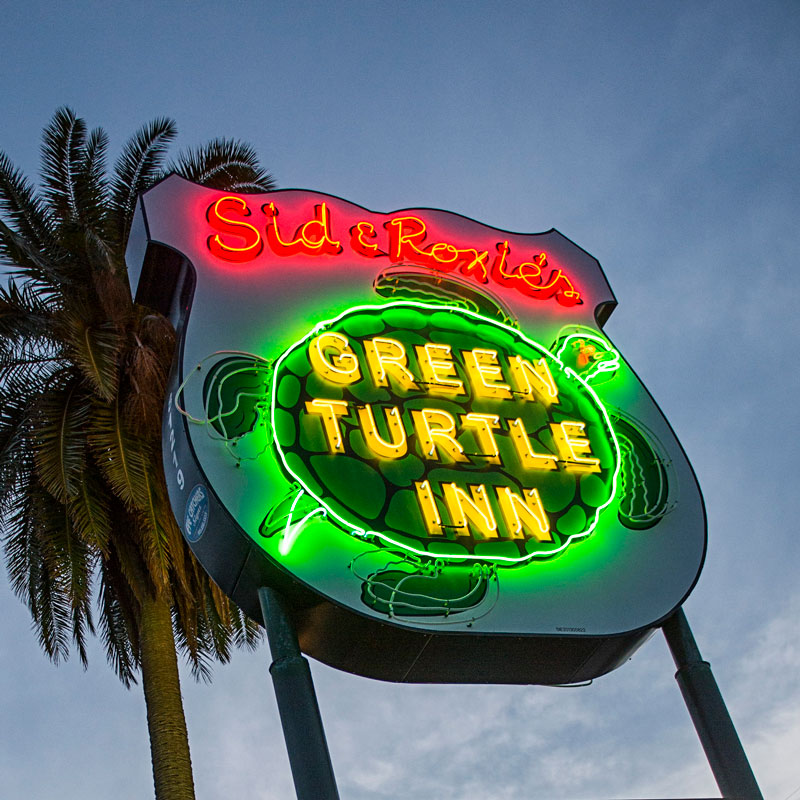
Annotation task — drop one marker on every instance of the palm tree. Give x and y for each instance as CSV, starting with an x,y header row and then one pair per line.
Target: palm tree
x,y
83,506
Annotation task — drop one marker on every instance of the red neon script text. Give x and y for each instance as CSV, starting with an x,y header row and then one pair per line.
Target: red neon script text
x,y
404,240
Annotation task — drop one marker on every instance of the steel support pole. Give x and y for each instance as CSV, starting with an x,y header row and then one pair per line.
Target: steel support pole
x,y
309,758
710,716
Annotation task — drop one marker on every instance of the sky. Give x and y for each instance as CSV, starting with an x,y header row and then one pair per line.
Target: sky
x,y
662,138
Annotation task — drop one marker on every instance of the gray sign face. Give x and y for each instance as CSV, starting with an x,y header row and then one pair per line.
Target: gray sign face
x,y
414,426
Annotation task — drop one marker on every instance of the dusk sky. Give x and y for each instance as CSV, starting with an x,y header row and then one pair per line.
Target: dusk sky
x,y
660,137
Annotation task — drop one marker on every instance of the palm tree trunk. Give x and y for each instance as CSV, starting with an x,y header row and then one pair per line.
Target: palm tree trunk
x,y
166,723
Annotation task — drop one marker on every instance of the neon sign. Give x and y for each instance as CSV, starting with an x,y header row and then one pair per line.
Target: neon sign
x,y
239,233
415,437
414,425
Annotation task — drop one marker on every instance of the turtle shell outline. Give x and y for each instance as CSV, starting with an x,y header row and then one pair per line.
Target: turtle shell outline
x,y
358,529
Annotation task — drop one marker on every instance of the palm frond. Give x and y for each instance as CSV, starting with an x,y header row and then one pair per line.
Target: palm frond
x,y
93,192
94,348
125,551
16,458
241,630
50,610
218,624
224,164
33,574
72,561
157,553
121,456
219,602
64,165
91,342
28,370
69,560
244,631
113,295
90,511
247,632
29,263
191,639
21,205
146,373
164,545
137,168
59,440
91,184
118,629
28,352
23,311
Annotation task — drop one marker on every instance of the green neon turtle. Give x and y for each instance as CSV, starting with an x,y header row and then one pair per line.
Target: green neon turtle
x,y
378,497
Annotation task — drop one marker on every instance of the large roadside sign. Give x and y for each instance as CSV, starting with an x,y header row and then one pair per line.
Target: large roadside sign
x,y
413,425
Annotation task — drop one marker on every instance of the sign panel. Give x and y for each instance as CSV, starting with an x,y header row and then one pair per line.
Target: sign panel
x,y
413,425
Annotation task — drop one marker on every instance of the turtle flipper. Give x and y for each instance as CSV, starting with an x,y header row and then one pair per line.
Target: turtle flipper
x,y
644,483
403,590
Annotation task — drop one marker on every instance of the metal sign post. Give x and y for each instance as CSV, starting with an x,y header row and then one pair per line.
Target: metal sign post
x,y
310,761
710,716
309,758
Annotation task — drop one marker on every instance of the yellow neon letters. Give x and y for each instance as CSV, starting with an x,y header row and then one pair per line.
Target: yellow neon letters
x,y
482,426
387,365
485,374
472,514
573,447
387,358
438,370
470,510
414,377
528,457
533,381
329,412
435,429
524,517
397,447
427,505
341,367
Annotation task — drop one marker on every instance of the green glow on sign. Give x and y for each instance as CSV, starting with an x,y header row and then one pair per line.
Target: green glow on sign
x,y
294,529
588,354
444,434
